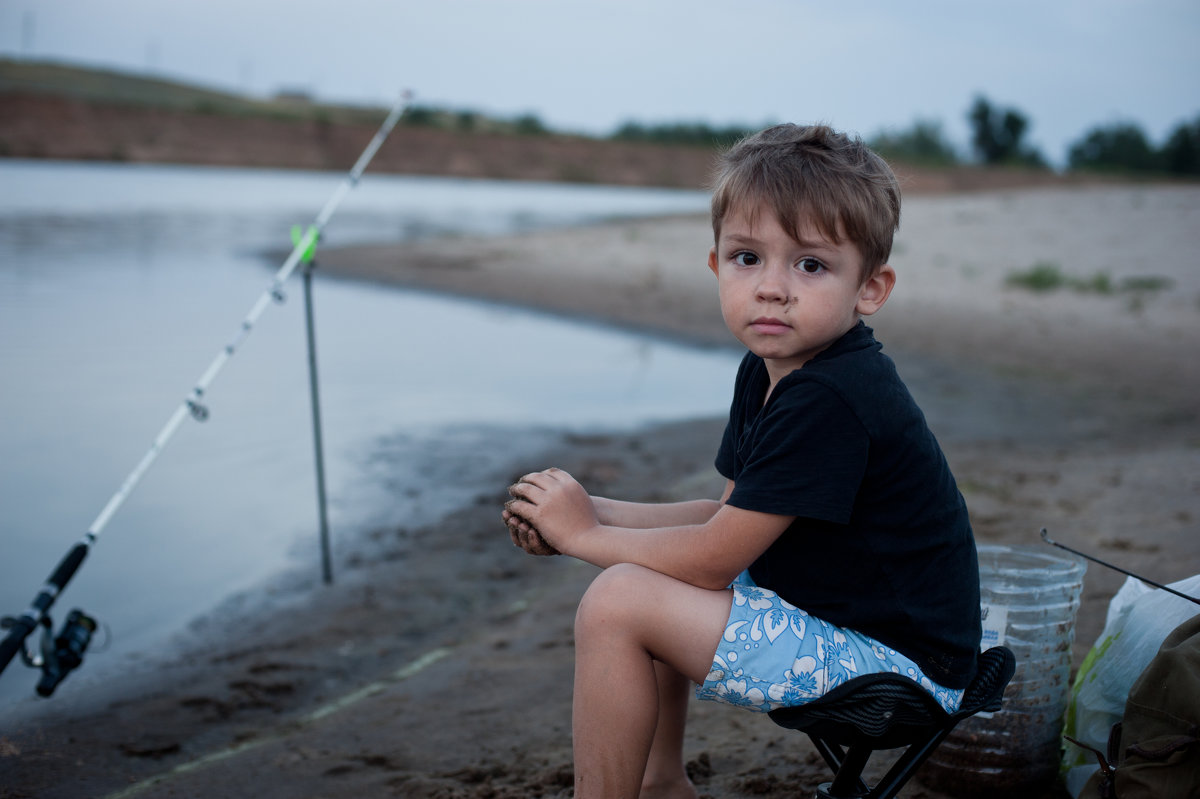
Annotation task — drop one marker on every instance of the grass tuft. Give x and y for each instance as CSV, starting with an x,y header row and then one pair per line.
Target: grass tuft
x,y
1046,276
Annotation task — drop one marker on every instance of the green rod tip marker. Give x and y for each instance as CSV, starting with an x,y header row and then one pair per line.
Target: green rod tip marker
x,y
311,250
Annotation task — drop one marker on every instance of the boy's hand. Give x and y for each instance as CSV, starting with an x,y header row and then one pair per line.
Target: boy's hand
x,y
553,505
524,534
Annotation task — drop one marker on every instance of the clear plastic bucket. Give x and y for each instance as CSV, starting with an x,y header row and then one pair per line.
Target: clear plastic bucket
x,y
1029,599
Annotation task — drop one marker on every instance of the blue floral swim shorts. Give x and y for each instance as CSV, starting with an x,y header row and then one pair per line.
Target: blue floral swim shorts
x,y
775,655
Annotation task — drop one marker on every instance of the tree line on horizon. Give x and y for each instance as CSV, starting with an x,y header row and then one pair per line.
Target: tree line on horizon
x,y
998,138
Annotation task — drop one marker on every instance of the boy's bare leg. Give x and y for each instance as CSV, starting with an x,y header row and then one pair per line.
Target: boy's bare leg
x,y
666,775
629,618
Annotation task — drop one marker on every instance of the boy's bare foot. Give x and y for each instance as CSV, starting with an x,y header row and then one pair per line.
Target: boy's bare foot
x,y
675,789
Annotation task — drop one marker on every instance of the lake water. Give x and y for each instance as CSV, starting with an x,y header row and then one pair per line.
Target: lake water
x,y
119,284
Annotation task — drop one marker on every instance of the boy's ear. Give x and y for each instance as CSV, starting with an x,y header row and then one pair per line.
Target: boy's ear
x,y
712,260
875,290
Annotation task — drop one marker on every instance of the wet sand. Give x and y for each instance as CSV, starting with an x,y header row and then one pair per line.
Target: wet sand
x,y
439,664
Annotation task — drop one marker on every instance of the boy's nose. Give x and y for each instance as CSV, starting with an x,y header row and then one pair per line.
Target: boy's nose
x,y
770,286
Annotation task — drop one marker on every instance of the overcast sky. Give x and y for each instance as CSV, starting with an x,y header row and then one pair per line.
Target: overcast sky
x,y
590,65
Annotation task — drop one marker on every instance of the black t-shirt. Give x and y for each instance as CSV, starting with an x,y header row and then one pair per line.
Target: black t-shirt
x,y
882,543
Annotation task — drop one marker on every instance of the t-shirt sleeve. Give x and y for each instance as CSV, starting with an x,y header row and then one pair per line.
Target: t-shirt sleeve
x,y
805,457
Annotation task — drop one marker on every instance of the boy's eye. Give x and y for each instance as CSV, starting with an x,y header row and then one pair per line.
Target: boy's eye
x,y
745,259
809,265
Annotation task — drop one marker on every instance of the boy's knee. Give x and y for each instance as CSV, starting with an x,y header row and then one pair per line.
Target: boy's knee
x,y
614,594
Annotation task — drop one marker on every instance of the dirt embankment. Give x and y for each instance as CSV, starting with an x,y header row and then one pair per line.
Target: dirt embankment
x,y
34,126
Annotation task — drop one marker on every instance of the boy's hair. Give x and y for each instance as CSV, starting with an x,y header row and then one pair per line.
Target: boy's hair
x,y
816,173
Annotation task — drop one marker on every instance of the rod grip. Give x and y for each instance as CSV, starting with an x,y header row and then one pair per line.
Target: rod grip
x,y
68,566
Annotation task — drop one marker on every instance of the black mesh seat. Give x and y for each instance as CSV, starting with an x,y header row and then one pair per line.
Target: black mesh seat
x,y
888,711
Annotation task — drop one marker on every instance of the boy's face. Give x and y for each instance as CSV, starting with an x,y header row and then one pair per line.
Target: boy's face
x,y
787,300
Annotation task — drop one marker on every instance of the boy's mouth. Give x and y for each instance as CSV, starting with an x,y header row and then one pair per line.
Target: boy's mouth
x,y
770,325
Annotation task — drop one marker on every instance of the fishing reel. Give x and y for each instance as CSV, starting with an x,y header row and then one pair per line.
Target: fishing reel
x,y
59,654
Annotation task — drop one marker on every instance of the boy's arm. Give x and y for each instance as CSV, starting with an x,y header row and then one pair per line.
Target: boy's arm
x,y
643,515
709,554
620,513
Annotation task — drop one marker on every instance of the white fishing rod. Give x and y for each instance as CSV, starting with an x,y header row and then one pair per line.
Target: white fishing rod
x,y
65,652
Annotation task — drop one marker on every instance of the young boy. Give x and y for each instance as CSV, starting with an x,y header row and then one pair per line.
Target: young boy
x,y
841,545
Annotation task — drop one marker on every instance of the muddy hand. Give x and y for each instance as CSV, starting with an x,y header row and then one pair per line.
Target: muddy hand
x,y
524,534
555,505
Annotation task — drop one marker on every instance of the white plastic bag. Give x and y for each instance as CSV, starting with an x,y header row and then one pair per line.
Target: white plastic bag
x,y
1139,618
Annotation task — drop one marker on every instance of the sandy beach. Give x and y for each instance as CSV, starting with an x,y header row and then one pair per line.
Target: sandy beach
x,y
439,664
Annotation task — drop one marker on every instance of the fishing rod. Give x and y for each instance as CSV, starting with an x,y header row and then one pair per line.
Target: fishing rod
x,y
1046,537
61,654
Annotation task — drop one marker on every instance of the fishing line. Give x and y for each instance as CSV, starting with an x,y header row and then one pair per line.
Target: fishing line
x,y
1046,537
62,653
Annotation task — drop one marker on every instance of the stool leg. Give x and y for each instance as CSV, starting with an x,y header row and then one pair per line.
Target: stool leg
x,y
907,765
846,783
835,757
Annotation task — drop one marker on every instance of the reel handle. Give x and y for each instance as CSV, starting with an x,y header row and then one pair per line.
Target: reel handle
x,y
22,626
